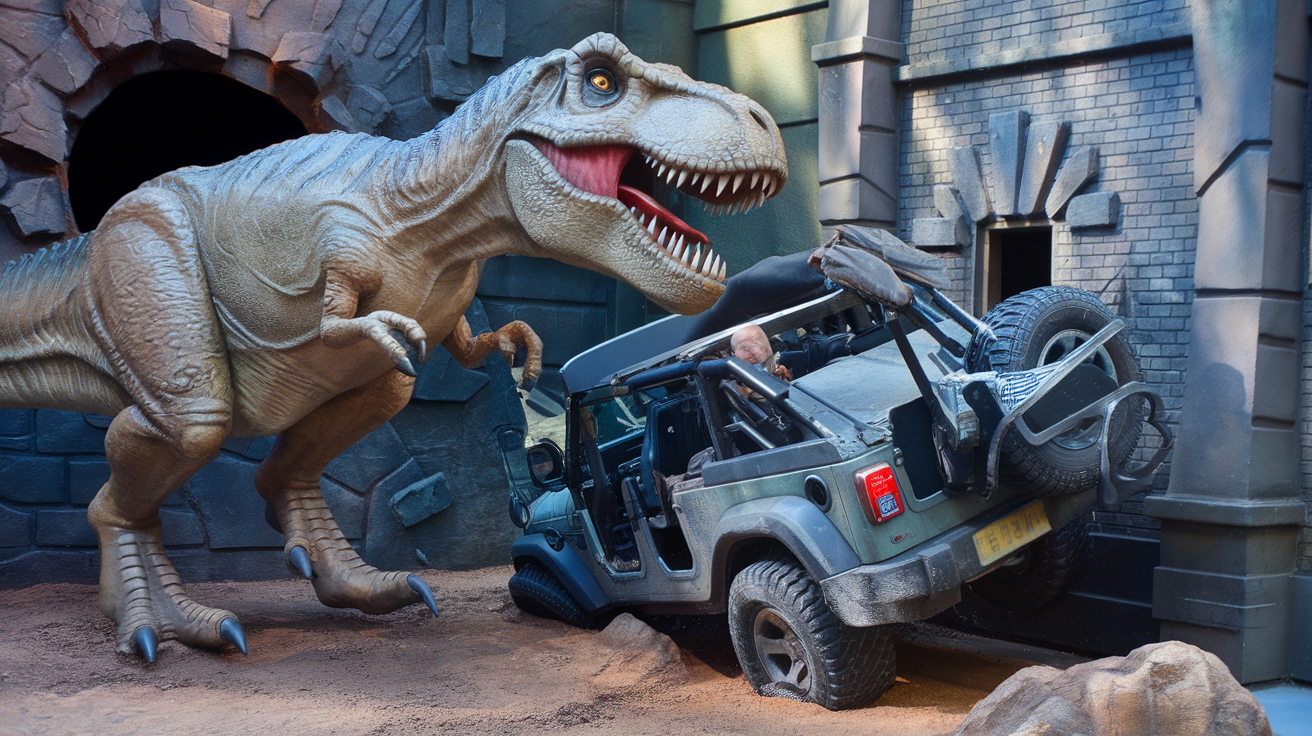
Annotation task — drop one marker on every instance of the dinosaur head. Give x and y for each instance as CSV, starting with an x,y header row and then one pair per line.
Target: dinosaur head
x,y
602,128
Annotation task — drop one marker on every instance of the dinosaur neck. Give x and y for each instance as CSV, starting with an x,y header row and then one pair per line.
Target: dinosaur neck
x,y
445,199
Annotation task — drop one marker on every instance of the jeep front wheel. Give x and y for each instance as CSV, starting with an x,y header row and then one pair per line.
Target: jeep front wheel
x,y
791,644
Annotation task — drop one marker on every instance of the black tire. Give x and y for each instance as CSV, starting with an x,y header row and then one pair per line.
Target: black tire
x,y
1035,328
791,644
1041,572
536,590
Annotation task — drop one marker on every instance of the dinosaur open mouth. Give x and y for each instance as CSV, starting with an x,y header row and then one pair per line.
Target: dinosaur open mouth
x,y
615,171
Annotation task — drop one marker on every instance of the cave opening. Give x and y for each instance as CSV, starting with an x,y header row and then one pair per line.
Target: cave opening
x,y
161,121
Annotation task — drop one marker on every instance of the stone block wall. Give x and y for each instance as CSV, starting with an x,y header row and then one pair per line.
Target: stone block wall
x,y
958,30
1138,111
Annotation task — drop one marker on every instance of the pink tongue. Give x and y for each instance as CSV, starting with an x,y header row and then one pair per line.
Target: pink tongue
x,y
594,169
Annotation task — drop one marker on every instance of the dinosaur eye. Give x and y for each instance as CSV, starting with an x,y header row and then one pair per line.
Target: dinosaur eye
x,y
601,80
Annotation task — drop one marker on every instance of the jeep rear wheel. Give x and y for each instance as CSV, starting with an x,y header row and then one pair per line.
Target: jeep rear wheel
x,y
534,589
1039,327
791,644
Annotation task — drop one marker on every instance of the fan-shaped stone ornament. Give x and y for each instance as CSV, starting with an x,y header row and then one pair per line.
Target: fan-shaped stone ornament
x,y
1026,178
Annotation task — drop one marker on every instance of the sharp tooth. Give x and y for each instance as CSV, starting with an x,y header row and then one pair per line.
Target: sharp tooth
x,y
651,226
724,266
724,182
687,254
696,258
661,172
642,219
634,210
696,175
737,181
677,249
660,239
682,176
709,264
706,182
756,177
647,157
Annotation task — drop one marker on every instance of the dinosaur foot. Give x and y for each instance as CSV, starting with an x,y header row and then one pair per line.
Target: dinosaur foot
x,y
140,590
317,550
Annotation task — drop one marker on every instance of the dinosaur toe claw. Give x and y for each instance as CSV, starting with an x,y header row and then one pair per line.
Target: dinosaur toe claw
x,y
419,586
146,642
405,366
230,631
423,351
299,559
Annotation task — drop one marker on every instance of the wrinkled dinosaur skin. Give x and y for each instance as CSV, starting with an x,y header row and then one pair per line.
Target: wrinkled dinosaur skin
x,y
260,296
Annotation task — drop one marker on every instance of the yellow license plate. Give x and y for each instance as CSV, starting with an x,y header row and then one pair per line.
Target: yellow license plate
x,y
1002,537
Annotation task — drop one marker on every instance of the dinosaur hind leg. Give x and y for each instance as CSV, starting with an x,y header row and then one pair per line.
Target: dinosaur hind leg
x,y
289,480
139,588
155,325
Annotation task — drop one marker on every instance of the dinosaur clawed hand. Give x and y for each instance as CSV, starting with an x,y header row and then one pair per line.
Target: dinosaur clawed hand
x,y
384,328
141,592
509,339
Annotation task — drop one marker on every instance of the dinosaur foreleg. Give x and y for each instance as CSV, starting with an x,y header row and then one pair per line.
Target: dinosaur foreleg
x,y
469,351
340,327
155,324
289,480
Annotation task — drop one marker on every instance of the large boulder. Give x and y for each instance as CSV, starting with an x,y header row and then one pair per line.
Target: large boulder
x,y
1167,688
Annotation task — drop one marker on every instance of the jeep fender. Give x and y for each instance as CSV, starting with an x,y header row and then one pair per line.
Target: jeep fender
x,y
565,565
796,523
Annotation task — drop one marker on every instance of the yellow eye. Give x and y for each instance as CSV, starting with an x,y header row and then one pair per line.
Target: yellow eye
x,y
601,81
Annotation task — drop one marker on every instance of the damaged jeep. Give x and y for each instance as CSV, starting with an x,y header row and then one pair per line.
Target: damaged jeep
x,y
930,451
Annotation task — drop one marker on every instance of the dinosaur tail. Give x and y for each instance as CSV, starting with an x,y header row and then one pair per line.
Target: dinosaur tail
x,y
48,357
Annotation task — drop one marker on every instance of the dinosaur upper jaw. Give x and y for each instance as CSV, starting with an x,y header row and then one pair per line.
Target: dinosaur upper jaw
x,y
619,228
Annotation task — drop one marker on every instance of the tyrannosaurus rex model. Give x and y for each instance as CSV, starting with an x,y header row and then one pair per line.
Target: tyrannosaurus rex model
x,y
260,296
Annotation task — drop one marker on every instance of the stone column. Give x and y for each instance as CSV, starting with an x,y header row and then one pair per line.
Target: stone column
x,y
859,113
1231,514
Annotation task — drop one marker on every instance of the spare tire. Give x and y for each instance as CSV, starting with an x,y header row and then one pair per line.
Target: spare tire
x,y
1038,327
1040,571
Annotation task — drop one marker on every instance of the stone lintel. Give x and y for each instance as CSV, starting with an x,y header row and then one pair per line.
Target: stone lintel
x,y
879,50
849,200
1227,512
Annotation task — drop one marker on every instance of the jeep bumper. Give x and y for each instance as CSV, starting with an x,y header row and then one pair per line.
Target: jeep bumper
x,y
927,579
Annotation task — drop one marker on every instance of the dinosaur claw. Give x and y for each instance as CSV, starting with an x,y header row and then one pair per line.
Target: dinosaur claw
x,y
419,586
299,560
230,631
146,642
405,366
423,351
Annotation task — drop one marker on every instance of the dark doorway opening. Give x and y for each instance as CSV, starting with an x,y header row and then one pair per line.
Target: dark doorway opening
x,y
162,121
1018,259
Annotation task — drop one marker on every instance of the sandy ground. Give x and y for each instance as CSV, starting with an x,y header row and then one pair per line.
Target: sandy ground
x,y
483,667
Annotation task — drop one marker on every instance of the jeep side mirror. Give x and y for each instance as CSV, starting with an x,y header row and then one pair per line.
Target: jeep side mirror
x,y
546,463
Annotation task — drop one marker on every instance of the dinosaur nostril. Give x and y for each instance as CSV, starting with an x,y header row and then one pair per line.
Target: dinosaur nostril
x,y
759,120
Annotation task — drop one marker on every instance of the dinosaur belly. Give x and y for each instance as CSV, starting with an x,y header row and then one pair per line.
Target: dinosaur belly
x,y
274,389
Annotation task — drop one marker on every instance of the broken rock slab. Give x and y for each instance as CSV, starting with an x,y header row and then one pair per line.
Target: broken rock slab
x,y
1167,688
638,654
188,25
36,207
110,26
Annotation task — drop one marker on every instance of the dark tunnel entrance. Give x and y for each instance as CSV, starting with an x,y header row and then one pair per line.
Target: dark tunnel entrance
x,y
162,121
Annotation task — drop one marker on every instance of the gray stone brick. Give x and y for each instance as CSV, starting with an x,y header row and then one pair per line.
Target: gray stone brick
x,y
15,528
67,432
32,479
